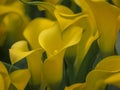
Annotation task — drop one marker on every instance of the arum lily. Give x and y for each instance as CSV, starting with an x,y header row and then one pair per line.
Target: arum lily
x,y
105,73
53,71
60,40
66,21
58,34
65,18
12,21
107,22
20,50
62,14
33,30
89,36
18,78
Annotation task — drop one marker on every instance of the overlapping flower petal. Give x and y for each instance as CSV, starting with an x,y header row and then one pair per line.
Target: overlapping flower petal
x,y
19,51
106,17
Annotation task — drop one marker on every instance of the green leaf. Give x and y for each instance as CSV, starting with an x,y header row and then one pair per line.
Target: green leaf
x,y
88,37
42,5
87,63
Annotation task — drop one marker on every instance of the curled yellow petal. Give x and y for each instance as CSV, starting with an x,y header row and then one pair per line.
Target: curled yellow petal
x,y
76,86
34,28
20,78
96,79
114,80
60,40
53,70
109,64
105,16
20,50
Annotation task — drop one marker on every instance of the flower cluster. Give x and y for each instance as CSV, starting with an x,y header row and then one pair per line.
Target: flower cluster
x,y
66,47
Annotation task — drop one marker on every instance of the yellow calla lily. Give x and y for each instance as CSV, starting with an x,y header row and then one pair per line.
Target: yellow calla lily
x,y
63,15
53,71
89,35
13,20
109,64
65,32
60,40
107,22
96,79
20,50
66,17
18,78
33,30
106,72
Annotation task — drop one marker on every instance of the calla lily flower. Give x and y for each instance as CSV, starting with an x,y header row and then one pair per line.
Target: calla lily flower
x,y
105,73
49,36
18,78
105,16
64,16
35,27
19,51
62,32
60,40
13,20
